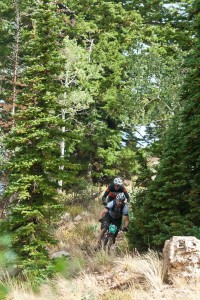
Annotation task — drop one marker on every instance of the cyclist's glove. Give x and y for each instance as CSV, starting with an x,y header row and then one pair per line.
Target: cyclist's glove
x,y
104,203
100,220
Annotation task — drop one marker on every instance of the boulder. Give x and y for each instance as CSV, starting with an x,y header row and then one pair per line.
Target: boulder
x,y
78,218
181,258
66,217
60,254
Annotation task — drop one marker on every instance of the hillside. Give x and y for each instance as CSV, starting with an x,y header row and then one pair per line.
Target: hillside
x,y
94,275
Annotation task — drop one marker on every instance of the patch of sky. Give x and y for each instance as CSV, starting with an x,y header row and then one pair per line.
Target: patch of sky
x,y
179,6
143,138
140,135
2,188
140,132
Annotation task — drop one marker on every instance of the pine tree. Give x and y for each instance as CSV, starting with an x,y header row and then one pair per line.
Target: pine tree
x,y
33,144
191,124
9,61
106,30
170,204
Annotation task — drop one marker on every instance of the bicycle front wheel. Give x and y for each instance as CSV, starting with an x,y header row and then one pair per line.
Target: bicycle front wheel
x,y
110,243
104,241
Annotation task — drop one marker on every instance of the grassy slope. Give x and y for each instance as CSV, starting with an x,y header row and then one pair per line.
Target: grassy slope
x,y
90,275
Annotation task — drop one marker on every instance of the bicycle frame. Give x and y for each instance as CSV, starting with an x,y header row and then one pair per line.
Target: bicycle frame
x,y
109,237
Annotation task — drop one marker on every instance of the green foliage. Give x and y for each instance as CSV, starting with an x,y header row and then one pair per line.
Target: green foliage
x,y
34,145
69,268
170,206
8,260
8,257
155,84
87,74
106,30
4,291
74,210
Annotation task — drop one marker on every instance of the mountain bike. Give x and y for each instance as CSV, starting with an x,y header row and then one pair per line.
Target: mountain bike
x,y
108,238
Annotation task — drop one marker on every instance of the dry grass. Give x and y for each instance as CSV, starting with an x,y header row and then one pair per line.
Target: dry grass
x,y
84,287
91,275
141,274
149,266
74,210
76,237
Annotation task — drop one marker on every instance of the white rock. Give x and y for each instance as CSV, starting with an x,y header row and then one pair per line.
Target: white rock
x,y
181,257
60,254
77,218
66,217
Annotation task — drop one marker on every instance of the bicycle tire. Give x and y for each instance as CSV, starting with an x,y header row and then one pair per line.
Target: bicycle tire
x,y
109,243
104,241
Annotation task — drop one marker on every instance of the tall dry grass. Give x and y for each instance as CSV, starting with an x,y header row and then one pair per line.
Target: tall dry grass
x,y
148,265
145,283
133,277
91,275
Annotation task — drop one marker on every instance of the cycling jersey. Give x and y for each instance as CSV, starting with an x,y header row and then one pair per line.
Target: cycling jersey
x,y
115,211
111,192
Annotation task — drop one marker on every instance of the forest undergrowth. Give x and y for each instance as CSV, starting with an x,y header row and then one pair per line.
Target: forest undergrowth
x,y
86,274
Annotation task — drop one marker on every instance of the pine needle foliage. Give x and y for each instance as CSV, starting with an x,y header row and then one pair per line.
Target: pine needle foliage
x,y
33,144
107,31
170,204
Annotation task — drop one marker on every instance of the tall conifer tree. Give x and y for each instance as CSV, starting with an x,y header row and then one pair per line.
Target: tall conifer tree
x,y
106,30
170,205
34,142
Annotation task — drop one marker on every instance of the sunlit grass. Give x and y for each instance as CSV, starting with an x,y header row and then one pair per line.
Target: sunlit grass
x,y
149,265
97,275
75,210
133,277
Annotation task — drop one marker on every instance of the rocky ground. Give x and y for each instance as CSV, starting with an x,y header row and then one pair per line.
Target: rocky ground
x,y
121,274
97,275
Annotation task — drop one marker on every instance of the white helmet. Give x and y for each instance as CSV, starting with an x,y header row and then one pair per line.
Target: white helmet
x,y
120,197
117,181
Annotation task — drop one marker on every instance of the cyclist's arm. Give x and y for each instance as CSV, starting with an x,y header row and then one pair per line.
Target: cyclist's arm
x,y
125,214
106,209
127,196
105,195
126,221
103,212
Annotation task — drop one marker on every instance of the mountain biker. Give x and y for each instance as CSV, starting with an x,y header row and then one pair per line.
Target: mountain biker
x,y
112,214
113,189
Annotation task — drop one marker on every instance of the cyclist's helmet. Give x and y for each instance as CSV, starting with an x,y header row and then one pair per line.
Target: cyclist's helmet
x,y
120,197
117,181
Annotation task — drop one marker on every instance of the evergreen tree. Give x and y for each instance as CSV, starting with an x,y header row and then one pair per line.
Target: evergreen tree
x,y
124,93
106,30
9,61
170,205
34,143
155,65
191,124
140,76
